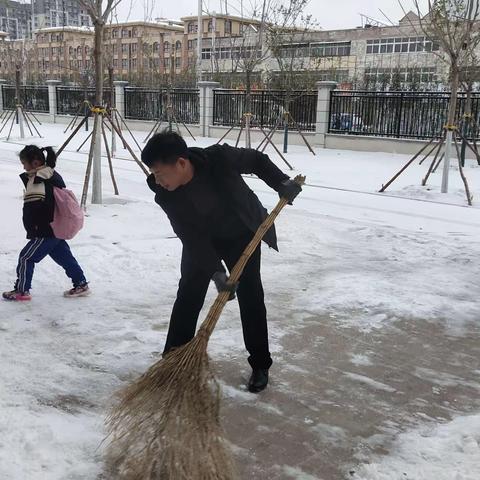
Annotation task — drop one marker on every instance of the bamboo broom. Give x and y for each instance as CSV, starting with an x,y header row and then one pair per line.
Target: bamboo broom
x,y
166,425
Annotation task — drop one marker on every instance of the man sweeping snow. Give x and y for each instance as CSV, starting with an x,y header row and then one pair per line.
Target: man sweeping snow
x,y
215,215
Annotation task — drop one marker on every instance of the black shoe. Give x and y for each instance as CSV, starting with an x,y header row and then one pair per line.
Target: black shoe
x,y
258,380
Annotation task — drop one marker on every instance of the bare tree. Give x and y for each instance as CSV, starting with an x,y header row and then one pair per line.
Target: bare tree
x,y
250,52
469,77
288,40
99,16
454,25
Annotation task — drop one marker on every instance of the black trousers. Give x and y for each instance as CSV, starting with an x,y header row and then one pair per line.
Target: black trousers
x,y
191,293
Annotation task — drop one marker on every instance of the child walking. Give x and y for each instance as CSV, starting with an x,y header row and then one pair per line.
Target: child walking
x,y
39,179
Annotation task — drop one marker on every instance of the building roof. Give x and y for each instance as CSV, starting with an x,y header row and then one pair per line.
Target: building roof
x,y
137,23
169,22
66,28
220,15
409,18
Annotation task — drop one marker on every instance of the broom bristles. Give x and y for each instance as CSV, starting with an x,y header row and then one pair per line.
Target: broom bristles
x,y
166,424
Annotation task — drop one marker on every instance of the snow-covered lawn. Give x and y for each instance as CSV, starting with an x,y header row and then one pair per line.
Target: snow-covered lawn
x,y
361,264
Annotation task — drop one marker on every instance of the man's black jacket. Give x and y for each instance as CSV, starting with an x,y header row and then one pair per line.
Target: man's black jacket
x,y
224,164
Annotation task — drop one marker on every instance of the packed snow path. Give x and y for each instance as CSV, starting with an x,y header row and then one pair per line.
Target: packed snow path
x,y
374,322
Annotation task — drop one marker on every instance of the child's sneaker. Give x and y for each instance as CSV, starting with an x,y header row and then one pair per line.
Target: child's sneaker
x,y
78,291
16,296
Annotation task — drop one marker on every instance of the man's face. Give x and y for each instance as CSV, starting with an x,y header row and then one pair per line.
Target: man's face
x,y
170,177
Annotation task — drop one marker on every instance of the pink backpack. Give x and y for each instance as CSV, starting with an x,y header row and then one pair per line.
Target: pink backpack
x,y
67,216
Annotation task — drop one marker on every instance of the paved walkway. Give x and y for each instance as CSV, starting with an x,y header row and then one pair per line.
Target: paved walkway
x,y
337,395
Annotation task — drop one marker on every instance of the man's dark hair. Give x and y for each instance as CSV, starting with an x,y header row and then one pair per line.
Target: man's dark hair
x,y
164,147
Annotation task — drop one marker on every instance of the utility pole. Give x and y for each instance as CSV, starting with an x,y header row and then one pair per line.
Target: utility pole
x,y
32,23
214,27
199,41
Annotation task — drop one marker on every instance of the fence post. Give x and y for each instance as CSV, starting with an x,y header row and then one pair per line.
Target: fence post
x,y
400,110
119,86
2,82
52,98
323,110
206,106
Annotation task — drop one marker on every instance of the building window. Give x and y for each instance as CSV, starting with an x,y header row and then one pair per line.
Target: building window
x,y
178,62
401,45
156,47
133,47
166,46
210,26
114,33
192,27
225,53
134,32
124,33
125,63
334,75
338,49
124,47
166,62
228,26
390,76
178,45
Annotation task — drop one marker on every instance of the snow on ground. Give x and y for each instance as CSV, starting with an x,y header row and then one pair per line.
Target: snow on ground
x,y
361,259
445,452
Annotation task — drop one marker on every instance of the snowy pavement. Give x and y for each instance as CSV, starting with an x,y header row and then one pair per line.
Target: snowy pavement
x,y
373,314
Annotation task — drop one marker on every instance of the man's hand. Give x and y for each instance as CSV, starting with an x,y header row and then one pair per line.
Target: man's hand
x,y
289,189
220,279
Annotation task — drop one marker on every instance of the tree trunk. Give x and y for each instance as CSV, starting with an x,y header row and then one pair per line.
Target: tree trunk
x,y
98,57
468,111
248,107
113,111
97,133
19,101
454,75
286,114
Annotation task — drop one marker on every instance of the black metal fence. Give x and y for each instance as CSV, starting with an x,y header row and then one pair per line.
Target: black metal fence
x,y
71,100
33,98
267,107
419,115
148,104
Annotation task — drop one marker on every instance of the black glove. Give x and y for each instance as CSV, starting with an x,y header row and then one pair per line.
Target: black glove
x,y
289,189
221,279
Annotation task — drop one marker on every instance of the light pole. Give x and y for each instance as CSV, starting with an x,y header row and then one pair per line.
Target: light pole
x,y
199,41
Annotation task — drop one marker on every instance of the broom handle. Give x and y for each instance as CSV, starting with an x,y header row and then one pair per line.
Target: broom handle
x,y
206,328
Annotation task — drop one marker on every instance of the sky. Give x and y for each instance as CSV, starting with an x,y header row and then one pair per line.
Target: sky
x,y
330,14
